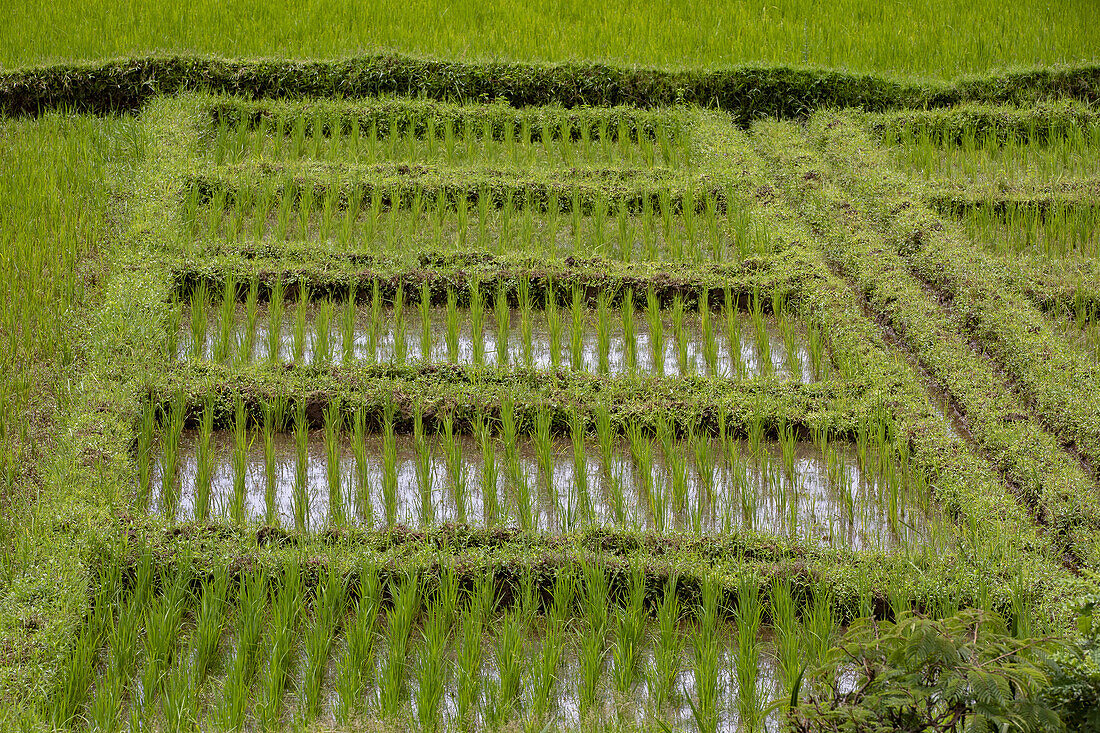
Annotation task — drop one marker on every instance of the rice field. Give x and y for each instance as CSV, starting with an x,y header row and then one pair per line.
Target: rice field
x,y
443,411
932,38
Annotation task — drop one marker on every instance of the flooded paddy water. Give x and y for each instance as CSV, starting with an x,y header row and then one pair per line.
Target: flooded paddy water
x,y
558,485
615,343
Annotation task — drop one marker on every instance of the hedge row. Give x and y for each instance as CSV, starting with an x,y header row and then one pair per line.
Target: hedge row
x,y
747,92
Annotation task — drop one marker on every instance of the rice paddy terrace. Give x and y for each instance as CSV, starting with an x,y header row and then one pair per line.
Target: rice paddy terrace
x,y
467,415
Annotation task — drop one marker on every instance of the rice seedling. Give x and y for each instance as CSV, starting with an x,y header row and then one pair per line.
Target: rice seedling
x,y
609,466
815,343
477,324
553,327
526,326
788,640
791,348
469,656
705,470
241,447
456,468
431,672
163,616
273,416
819,629
246,344
630,637
78,672
399,622
668,650
210,623
364,508
686,361
423,469
544,454
173,325
489,472
425,306
503,319
334,426
357,661
514,472
170,488
603,338
750,708
281,643
593,648
322,332
674,451
299,333
204,472
578,504
656,332
275,325
503,694
248,632
389,466
199,321
452,326
224,346
630,339
706,659
328,611
301,467
374,331
576,343
399,349
545,670
760,333
733,334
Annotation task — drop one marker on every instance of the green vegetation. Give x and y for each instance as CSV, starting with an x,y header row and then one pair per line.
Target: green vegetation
x,y
930,37
390,393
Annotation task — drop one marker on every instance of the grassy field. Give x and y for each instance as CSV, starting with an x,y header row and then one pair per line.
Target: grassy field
x,y
930,38
430,411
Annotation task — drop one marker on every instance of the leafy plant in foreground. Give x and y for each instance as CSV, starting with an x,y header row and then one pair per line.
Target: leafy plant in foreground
x,y
965,672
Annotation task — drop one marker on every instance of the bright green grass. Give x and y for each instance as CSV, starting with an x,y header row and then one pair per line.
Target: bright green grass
x,y
937,38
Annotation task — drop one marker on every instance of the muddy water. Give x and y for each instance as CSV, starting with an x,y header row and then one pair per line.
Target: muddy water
x,y
753,349
823,499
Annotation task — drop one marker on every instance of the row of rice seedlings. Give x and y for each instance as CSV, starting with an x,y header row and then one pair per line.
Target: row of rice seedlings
x,y
441,656
1060,231
864,494
440,653
662,230
984,158
516,146
720,343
